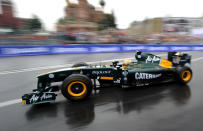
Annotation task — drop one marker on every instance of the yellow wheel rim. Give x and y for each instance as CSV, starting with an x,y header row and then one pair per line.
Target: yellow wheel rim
x,y
186,75
77,88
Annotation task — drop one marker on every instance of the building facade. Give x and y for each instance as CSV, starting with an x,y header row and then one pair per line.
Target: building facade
x,y
8,21
166,25
80,16
181,25
149,26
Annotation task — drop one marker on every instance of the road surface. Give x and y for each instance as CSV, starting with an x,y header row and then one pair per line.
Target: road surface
x,y
168,107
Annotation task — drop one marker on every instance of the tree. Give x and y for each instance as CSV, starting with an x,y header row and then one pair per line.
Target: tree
x,y
34,24
107,22
102,3
61,21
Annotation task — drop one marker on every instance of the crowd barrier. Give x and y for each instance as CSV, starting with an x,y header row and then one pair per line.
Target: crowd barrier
x,y
76,49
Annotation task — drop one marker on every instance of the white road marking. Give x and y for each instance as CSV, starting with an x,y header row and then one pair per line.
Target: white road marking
x,y
33,69
11,102
197,59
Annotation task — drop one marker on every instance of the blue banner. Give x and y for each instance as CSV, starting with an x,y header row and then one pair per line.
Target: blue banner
x,y
107,48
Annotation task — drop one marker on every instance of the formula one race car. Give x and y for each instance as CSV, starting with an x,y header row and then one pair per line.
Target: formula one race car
x,y
78,81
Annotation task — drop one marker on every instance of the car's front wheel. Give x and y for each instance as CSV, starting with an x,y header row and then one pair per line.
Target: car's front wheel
x,y
76,87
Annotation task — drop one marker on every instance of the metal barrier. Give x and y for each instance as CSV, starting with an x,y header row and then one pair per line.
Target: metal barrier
x,y
76,49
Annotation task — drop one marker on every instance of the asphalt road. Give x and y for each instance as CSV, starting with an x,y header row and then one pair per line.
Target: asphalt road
x,y
167,107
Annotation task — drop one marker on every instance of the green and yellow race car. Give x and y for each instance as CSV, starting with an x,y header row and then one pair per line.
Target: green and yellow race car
x,y
79,81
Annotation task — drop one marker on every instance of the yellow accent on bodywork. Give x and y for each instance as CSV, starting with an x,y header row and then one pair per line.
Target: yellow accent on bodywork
x,y
106,78
139,65
43,74
23,102
127,62
165,63
81,67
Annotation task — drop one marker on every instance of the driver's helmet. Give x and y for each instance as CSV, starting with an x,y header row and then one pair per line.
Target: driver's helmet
x,y
177,58
127,62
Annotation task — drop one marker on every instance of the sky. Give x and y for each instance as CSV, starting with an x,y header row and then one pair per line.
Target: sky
x,y
126,11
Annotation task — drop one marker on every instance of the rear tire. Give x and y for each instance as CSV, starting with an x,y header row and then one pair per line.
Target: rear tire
x,y
184,75
76,87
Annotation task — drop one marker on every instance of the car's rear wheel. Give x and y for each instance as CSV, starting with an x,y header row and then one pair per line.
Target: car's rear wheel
x,y
184,75
76,87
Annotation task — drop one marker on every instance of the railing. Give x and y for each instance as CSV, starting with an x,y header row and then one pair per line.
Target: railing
x,y
78,49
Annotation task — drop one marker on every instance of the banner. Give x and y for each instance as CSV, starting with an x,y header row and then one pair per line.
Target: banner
x,y
76,49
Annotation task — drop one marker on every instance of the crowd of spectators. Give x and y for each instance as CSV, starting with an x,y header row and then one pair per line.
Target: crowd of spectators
x,y
105,37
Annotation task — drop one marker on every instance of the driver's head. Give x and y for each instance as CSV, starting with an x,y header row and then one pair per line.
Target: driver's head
x,y
127,62
138,54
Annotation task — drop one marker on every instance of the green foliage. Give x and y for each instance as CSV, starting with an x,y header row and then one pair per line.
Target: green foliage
x,y
34,24
61,21
107,22
102,3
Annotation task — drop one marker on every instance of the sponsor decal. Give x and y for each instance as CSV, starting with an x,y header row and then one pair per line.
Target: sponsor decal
x,y
125,73
158,48
37,50
51,76
152,59
66,50
100,72
45,96
105,49
197,48
134,48
13,51
181,48
118,81
139,56
36,97
146,76
106,78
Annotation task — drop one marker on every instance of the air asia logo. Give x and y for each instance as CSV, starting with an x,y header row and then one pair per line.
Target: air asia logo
x,y
45,96
154,59
101,72
146,76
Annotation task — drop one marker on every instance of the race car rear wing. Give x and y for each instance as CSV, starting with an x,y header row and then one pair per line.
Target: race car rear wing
x,y
150,59
179,59
174,59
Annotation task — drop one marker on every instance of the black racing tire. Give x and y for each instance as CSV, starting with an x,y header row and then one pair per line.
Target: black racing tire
x,y
76,87
184,74
80,64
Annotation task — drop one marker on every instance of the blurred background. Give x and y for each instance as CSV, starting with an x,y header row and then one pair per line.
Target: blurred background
x,y
88,22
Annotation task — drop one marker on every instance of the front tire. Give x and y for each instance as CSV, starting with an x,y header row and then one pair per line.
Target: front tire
x,y
76,87
184,75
